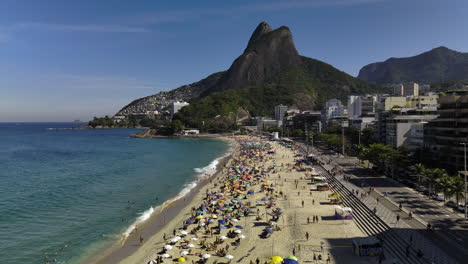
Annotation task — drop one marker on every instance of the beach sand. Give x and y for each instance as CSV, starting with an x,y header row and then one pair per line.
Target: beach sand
x,y
334,235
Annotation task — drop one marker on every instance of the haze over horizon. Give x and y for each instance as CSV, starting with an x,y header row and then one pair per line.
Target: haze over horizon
x,y
75,60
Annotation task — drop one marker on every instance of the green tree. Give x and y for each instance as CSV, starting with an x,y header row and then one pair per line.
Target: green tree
x,y
457,188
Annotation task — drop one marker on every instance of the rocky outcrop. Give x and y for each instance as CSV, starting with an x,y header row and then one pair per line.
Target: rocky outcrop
x,y
437,65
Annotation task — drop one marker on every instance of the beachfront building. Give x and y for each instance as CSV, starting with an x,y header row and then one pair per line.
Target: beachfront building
x,y
406,89
361,105
264,123
312,120
427,101
332,108
280,112
399,124
443,135
187,132
176,106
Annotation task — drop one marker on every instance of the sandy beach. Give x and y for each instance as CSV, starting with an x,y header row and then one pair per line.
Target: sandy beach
x,y
278,183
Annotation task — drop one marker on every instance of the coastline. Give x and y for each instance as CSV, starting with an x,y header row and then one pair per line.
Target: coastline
x,y
151,229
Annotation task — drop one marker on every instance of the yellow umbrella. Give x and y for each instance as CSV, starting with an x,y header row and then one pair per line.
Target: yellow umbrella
x,y
214,216
334,195
199,217
181,259
276,259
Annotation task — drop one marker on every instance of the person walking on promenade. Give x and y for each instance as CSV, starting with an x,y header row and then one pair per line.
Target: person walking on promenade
x,y
308,220
307,236
302,204
398,218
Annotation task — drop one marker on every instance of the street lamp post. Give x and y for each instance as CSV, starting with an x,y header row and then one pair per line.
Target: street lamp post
x,y
359,137
464,173
342,138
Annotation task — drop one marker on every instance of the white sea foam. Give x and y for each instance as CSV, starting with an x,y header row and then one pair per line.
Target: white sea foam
x,y
204,172
147,214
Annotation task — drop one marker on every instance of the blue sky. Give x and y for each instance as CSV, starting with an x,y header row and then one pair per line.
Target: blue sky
x,y
65,60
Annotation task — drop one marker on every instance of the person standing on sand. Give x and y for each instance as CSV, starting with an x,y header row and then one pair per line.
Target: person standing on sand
x,y
141,240
313,201
308,220
257,261
307,236
302,204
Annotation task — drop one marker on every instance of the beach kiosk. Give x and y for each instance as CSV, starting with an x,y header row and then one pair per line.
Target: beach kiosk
x,y
367,246
323,187
343,213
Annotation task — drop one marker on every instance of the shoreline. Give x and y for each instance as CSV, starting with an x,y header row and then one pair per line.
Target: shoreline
x,y
160,219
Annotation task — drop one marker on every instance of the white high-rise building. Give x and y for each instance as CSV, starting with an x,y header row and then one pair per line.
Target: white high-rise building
x,y
176,106
333,108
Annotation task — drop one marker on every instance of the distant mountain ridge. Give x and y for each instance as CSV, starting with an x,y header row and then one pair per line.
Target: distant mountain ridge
x,y
270,71
437,65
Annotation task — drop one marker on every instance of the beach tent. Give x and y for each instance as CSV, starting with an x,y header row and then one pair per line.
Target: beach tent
x,y
181,259
343,213
367,246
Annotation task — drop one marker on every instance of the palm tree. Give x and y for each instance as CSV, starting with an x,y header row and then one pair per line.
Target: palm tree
x,y
433,177
444,184
420,168
457,188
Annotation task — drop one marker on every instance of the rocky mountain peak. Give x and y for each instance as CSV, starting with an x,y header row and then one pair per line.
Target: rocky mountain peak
x,y
261,30
268,53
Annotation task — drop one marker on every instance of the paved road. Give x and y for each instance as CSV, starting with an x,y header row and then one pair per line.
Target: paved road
x,y
452,228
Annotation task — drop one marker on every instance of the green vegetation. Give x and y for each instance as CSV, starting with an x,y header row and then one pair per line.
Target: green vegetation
x,y
107,121
307,86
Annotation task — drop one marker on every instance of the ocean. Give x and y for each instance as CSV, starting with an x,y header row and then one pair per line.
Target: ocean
x,y
65,194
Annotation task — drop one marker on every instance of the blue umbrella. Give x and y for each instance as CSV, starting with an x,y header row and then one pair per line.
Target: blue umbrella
x,y
290,261
239,227
264,199
268,230
189,222
223,227
250,192
223,222
211,221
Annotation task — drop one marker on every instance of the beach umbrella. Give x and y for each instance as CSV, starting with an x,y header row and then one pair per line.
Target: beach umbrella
x,y
220,208
240,214
214,216
290,261
206,256
222,221
223,237
242,236
237,231
183,232
223,227
202,220
239,226
191,245
202,224
235,220
167,247
194,239
264,199
292,257
199,217
181,259
190,222
229,256
199,212
174,240
165,255
276,259
214,202
152,262
184,253
268,230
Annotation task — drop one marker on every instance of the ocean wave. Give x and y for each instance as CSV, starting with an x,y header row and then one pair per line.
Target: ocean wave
x,y
147,214
204,172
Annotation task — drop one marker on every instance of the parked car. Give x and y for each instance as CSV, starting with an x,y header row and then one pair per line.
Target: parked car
x,y
451,204
437,196
420,188
461,208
